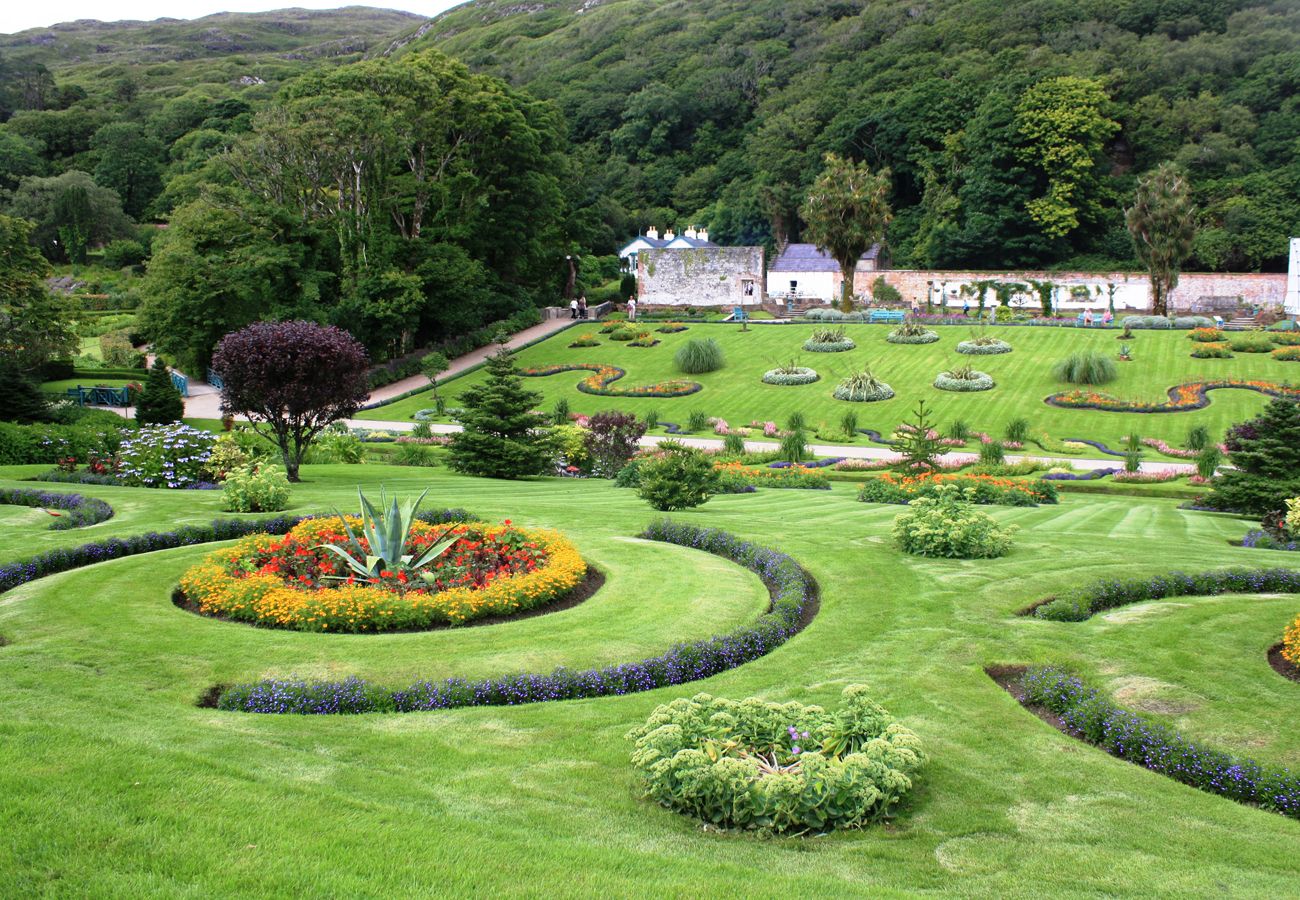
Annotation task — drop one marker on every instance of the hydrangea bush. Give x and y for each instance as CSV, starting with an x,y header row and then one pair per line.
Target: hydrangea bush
x,y
948,525
165,456
779,767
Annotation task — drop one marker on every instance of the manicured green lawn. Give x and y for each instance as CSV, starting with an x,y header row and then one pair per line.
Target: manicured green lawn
x,y
61,387
1024,378
116,784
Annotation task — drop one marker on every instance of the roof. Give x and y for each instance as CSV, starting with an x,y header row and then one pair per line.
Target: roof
x,y
641,242
681,242
807,258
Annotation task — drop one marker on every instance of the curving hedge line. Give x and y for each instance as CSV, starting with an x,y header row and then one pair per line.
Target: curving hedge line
x,y
1108,593
599,382
80,511
794,602
1182,397
1087,715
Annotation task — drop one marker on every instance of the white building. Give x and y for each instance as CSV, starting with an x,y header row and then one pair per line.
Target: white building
x,y
804,271
690,239
1292,303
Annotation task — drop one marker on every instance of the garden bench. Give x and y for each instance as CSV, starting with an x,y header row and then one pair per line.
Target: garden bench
x,y
738,314
887,316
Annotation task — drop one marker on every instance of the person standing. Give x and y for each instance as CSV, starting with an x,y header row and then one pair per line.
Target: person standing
x,y
582,307
1087,317
573,308
631,309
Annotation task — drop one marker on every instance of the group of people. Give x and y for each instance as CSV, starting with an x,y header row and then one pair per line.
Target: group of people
x,y
578,308
1106,318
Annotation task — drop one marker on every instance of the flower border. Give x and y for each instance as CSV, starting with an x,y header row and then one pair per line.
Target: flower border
x,y
1182,397
599,382
83,511
793,605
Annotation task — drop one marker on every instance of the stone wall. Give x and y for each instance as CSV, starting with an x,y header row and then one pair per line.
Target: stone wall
x,y
1132,291
706,276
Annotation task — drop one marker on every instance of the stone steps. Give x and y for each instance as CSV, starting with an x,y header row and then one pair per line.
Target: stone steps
x,y
1241,323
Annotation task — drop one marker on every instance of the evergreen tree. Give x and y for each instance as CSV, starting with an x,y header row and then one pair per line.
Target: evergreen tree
x,y
502,436
23,401
918,444
160,403
846,213
1162,222
1265,453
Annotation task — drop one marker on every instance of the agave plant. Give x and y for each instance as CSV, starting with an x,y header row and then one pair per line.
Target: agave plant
x,y
387,534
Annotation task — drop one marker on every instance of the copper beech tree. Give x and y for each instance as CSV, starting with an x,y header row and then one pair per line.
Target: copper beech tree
x,y
291,380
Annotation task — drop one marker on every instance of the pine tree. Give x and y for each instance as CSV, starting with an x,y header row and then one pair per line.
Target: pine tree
x,y
160,403
502,436
23,401
1265,454
918,444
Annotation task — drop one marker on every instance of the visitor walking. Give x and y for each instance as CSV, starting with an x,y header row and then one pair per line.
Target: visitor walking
x,y
573,308
965,308
631,309
582,307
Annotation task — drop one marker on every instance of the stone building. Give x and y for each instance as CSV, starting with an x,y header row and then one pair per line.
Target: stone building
x,y
700,276
690,239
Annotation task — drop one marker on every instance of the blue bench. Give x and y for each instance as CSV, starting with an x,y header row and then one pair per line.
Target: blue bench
x,y
738,314
887,316
1080,323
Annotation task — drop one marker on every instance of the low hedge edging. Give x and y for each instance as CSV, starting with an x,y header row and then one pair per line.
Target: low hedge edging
x,y
1108,593
1091,717
80,511
794,603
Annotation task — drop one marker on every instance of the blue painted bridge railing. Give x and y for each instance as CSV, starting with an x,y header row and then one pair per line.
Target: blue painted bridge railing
x,y
215,380
100,396
181,383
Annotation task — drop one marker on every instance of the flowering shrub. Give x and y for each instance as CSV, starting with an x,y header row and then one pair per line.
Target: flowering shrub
x,y
779,767
787,375
1083,602
793,594
77,511
643,339
734,475
292,582
599,382
1286,354
1193,395
1260,539
255,488
1211,351
1176,452
1091,717
946,524
1159,476
978,489
585,340
1205,335
172,456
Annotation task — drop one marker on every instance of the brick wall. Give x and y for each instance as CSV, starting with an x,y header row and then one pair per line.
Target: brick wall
x,y
1132,291
707,276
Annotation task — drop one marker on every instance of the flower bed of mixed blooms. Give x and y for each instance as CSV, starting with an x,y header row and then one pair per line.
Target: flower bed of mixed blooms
x,y
77,511
1193,395
777,767
603,376
171,456
1091,717
1176,452
793,605
980,489
1159,476
738,475
1108,593
294,582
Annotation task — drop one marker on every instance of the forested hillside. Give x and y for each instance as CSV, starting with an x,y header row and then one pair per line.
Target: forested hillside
x,y
1014,131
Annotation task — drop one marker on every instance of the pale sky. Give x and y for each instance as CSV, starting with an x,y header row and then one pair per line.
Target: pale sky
x,y
16,15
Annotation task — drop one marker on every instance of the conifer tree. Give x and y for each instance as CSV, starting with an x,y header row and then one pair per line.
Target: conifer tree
x,y
23,401
160,403
918,444
502,436
1265,455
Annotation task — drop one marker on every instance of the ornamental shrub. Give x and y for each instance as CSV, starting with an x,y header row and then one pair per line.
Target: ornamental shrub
x,y
1193,322
1086,367
777,767
828,340
1250,343
1211,351
255,489
698,356
698,420
947,525
585,340
1265,457
1287,354
964,379
1205,335
1158,322
863,387
160,402
165,456
611,440
679,477
502,437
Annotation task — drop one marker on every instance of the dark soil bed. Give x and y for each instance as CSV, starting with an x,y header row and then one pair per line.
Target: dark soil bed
x,y
1008,678
1281,665
594,581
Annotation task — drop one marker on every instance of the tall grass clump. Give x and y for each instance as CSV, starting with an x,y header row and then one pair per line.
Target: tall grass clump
x,y
796,422
1017,430
793,448
1198,437
698,356
733,444
1086,367
697,421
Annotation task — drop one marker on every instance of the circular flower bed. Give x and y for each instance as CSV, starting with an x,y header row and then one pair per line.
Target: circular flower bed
x,y
828,346
983,347
1287,354
780,767
897,336
967,381
790,375
294,582
862,387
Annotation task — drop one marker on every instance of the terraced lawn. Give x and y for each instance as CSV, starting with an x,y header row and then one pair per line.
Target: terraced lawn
x,y
117,784
735,393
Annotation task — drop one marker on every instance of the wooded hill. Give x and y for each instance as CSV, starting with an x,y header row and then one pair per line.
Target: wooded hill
x,y
1014,131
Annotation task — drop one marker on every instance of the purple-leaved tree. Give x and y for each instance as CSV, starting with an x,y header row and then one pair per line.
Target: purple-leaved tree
x,y
291,380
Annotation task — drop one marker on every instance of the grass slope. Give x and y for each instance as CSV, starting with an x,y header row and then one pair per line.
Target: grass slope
x,y
1023,378
117,785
